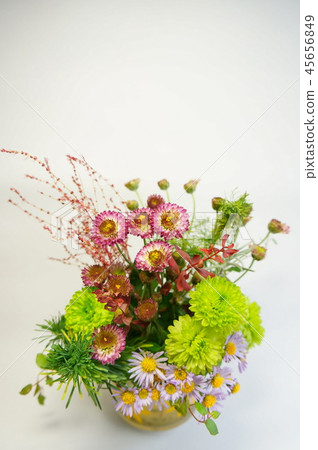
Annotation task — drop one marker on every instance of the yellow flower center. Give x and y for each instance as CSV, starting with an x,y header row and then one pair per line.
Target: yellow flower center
x,y
143,393
158,379
107,227
105,339
217,381
187,388
128,397
170,388
236,388
180,374
230,348
95,271
208,401
155,394
169,220
148,364
155,257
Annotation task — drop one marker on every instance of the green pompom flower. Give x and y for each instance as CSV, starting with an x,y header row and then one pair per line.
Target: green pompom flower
x,y
84,312
252,330
217,302
194,346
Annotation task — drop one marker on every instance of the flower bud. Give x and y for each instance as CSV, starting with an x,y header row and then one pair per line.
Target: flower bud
x,y
132,204
146,310
178,259
163,184
146,277
258,253
166,288
217,203
275,226
157,297
153,201
246,219
171,274
133,185
196,278
190,186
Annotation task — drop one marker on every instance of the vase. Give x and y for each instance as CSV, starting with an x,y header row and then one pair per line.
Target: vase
x,y
156,419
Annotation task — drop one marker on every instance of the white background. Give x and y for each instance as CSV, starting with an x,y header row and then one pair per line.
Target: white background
x,y
151,89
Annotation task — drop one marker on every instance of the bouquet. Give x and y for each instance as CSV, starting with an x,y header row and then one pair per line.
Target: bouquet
x,y
166,328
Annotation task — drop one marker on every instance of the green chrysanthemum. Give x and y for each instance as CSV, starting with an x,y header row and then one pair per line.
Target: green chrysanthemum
x,y
194,346
217,302
252,330
84,312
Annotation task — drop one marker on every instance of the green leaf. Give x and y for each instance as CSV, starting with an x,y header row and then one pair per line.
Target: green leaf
x,y
211,426
234,269
41,361
201,409
215,414
41,399
37,390
26,389
49,381
274,240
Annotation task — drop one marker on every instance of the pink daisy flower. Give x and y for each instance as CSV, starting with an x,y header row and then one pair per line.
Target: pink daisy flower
x,y
154,256
94,275
128,402
153,201
108,343
170,220
146,309
109,228
140,222
145,365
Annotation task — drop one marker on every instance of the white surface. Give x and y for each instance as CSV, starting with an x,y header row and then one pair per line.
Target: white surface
x,y
152,89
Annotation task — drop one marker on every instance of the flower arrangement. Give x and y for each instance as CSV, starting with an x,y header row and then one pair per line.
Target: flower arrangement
x,y
166,328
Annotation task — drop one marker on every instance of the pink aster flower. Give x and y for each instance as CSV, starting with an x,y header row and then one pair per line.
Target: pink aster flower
x,y
154,256
170,220
128,402
94,275
108,342
109,228
140,222
153,201
146,309
145,365
235,350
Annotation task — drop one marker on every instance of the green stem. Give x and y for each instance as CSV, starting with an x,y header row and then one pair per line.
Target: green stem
x,y
167,194
122,254
139,198
246,270
267,235
193,211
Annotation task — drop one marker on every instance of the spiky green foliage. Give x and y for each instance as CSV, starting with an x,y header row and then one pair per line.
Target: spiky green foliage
x,y
194,346
52,329
84,312
71,362
231,211
252,329
217,302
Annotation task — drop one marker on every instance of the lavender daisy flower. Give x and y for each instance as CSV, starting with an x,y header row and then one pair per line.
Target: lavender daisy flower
x,y
145,366
211,401
144,395
170,220
236,387
193,390
109,228
178,375
140,222
170,392
128,402
235,350
108,343
154,256
220,379
157,400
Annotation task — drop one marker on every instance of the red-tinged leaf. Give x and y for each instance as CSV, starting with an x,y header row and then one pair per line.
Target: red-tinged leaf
x,y
205,273
183,254
181,283
224,239
218,259
172,263
196,259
